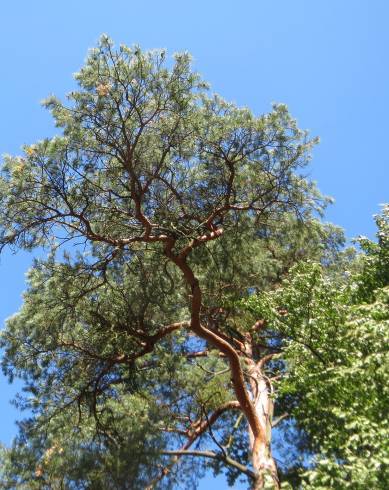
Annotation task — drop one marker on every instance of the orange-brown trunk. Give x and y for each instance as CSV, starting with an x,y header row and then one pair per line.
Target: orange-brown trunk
x,y
263,462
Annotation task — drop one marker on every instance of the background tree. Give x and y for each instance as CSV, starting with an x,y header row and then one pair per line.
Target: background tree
x,y
141,366
337,359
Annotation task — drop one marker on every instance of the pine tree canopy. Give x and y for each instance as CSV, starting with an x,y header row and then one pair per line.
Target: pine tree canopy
x,y
192,303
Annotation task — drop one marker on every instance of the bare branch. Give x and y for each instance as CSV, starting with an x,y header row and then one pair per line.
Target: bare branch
x,y
279,419
210,454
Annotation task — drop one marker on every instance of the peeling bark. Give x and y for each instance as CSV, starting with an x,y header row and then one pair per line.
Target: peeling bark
x,y
261,455
262,459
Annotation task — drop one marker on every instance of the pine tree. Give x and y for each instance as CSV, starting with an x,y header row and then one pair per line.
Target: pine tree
x,y
142,365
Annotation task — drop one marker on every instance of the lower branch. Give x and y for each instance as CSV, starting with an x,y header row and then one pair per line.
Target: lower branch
x,y
196,430
279,419
212,455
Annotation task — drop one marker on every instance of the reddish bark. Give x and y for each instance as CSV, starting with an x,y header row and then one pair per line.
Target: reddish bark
x,y
257,406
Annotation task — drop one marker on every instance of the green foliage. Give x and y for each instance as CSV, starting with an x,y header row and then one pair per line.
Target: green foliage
x,y
337,365
56,454
374,267
139,131
150,166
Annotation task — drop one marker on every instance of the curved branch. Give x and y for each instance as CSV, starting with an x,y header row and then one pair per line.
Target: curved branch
x,y
211,454
279,419
265,359
200,425
214,339
198,428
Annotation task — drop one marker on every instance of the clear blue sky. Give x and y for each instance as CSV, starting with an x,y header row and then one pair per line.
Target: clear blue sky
x,y
326,59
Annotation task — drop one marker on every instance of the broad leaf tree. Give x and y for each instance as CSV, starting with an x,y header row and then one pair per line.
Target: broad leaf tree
x,y
143,364
336,359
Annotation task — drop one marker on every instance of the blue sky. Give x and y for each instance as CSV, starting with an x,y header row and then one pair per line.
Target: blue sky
x,y
326,59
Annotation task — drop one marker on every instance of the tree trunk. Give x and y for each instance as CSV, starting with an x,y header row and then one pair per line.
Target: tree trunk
x,y
262,459
258,408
